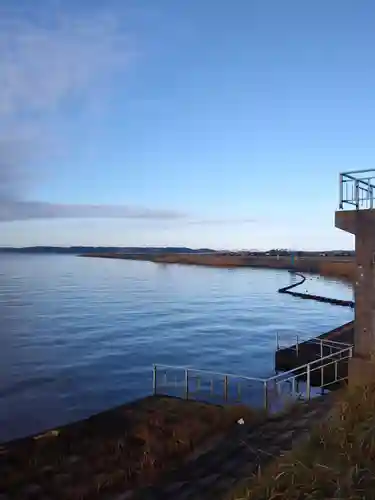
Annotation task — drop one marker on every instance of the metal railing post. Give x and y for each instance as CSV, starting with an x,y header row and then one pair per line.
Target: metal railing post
x,y
297,346
357,194
353,198
341,191
186,384
321,368
308,384
265,395
277,341
369,194
154,388
291,377
345,189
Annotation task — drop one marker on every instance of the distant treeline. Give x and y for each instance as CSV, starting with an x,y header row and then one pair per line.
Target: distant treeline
x,y
78,250
295,253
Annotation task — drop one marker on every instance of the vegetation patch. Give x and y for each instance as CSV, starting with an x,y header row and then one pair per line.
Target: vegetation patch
x,y
337,462
113,451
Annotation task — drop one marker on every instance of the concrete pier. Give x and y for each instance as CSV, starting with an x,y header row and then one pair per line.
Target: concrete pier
x,y
358,189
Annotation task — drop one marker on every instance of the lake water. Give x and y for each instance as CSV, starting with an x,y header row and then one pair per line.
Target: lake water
x,y
79,335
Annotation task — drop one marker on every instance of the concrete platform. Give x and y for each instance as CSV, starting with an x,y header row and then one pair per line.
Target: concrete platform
x,y
353,221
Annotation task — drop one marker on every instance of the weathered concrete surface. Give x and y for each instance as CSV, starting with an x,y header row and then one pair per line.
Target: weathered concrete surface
x,y
361,371
361,223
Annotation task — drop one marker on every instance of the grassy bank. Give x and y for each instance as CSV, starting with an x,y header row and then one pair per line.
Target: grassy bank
x,y
113,451
338,461
342,268
337,268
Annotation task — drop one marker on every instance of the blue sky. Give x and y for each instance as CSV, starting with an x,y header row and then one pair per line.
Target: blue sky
x,y
198,123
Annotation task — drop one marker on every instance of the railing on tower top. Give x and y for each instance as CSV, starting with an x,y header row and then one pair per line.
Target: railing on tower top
x,y
357,189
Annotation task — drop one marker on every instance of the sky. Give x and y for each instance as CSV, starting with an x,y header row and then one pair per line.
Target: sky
x,y
199,123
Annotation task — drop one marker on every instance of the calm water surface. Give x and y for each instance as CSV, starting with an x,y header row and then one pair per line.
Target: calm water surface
x,y
79,335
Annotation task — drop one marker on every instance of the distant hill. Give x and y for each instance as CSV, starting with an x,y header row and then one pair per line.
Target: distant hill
x,y
77,250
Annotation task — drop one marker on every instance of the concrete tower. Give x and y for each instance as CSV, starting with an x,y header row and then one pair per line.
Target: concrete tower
x,y
356,215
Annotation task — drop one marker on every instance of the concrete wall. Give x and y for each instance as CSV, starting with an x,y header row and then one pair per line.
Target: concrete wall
x,y
362,224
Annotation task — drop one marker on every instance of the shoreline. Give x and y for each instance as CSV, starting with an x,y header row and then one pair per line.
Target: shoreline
x,y
341,268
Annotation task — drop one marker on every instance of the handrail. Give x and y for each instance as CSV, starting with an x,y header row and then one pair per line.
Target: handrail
x,y
263,384
209,372
293,378
255,379
366,171
327,343
362,193
366,181
298,368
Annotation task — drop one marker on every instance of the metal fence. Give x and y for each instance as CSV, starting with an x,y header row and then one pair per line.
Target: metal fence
x,y
357,189
205,385
324,346
272,394
328,371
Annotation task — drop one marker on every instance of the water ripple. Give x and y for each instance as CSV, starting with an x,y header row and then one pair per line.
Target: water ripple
x,y
80,335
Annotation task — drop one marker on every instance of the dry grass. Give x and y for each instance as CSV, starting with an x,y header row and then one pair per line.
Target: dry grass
x,y
343,269
113,451
336,269
329,267
338,461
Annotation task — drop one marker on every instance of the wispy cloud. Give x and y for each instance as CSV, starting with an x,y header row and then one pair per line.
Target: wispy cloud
x,y
45,61
48,55
13,210
220,222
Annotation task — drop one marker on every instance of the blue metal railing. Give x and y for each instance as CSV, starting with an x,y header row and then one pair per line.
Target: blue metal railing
x,y
357,189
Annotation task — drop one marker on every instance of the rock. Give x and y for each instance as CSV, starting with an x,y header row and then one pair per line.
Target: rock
x,y
48,434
